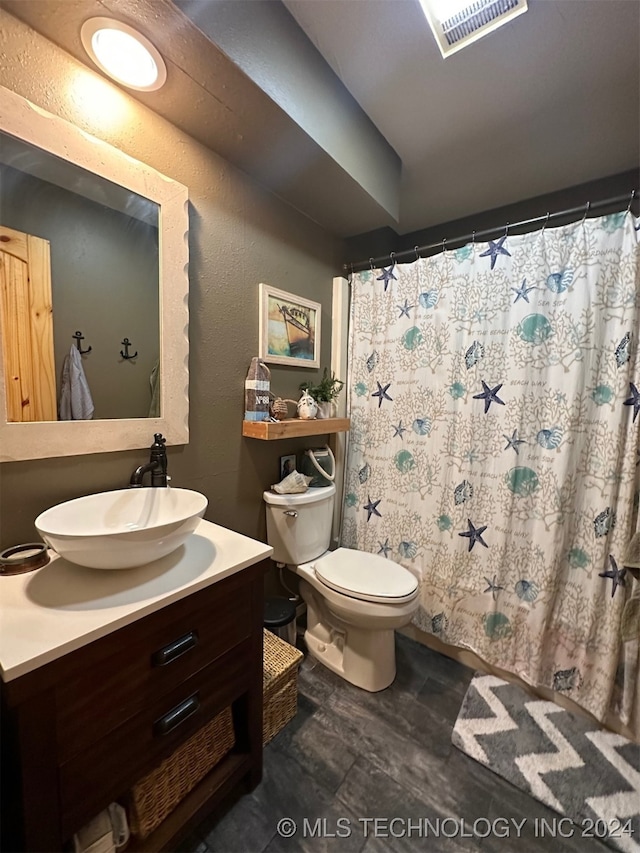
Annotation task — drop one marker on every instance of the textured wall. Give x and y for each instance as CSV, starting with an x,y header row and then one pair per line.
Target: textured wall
x,y
273,51
239,235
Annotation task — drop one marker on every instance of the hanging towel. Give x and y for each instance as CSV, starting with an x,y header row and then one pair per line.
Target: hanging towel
x,y
154,382
75,398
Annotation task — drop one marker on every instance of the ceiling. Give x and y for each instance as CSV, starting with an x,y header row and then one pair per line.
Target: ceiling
x,y
548,101
384,132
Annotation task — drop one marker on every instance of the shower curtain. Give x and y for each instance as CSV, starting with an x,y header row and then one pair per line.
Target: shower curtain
x,y
494,395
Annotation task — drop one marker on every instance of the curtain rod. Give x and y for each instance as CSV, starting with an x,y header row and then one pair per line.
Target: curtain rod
x,y
394,257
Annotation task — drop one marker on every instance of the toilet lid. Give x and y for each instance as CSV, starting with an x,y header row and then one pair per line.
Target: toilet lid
x,y
366,576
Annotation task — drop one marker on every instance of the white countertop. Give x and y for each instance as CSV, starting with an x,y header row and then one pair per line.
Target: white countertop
x,y
61,607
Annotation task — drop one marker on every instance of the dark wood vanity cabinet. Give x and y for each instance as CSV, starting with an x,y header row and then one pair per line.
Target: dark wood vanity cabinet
x,y
79,732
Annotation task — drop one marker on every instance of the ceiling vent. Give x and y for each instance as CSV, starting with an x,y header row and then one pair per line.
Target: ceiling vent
x,y
456,24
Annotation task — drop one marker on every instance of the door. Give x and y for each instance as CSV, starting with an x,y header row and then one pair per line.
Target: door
x,y
26,324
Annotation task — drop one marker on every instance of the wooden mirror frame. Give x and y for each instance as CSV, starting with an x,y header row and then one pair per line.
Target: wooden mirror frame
x,y
38,440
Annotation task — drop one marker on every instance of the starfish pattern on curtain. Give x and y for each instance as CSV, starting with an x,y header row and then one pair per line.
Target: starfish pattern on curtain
x,y
532,341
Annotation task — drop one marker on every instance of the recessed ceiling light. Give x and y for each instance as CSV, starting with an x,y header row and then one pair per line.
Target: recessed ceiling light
x,y
457,23
124,54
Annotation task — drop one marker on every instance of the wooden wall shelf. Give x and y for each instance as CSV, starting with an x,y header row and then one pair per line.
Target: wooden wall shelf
x,y
294,427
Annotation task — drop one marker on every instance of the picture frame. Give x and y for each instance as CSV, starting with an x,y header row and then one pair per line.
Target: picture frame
x,y
287,465
289,328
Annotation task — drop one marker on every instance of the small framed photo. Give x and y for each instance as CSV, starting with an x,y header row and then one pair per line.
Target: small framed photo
x,y
289,328
287,465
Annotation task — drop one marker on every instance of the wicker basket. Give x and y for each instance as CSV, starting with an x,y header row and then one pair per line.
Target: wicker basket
x,y
158,793
280,684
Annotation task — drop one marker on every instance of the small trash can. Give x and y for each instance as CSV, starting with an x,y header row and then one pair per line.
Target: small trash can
x,y
280,618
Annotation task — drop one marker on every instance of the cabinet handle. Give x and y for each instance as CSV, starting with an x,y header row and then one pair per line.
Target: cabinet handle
x,y
178,647
176,715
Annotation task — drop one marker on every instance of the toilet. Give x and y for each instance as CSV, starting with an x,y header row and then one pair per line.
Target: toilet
x,y
355,600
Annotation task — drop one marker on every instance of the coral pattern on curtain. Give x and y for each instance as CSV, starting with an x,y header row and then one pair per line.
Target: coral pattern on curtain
x,y
494,393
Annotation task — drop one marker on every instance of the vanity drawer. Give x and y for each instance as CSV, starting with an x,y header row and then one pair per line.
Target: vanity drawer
x,y
112,765
119,676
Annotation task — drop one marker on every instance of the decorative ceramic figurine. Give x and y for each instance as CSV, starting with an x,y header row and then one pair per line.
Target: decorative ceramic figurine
x,y
307,408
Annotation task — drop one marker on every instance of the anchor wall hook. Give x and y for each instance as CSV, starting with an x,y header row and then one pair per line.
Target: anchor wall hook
x,y
80,337
126,344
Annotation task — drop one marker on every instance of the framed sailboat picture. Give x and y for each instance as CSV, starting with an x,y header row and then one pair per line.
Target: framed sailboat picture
x,y
289,328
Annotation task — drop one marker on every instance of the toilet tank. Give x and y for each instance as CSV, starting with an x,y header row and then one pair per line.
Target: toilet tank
x,y
299,526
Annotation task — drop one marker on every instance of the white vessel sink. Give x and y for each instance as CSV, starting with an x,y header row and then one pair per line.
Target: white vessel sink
x,y
122,529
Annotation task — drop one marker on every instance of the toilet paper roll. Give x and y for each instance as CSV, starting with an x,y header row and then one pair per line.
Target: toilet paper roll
x,y
105,833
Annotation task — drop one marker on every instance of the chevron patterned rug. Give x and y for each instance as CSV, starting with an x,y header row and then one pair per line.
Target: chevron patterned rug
x,y
588,774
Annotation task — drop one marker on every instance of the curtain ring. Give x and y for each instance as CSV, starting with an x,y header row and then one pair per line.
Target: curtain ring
x,y
633,195
473,237
392,258
586,210
506,230
444,244
415,249
544,225
371,263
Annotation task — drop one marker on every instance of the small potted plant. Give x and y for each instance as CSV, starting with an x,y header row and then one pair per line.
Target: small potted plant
x,y
325,392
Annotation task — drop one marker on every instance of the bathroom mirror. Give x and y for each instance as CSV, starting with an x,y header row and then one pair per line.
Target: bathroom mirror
x,y
113,232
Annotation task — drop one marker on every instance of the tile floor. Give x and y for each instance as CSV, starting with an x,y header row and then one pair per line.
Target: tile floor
x,y
350,757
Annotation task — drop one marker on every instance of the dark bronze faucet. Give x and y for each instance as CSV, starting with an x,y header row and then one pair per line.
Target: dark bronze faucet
x,y
157,465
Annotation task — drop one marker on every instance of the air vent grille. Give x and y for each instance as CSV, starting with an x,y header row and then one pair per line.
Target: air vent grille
x,y
471,22
474,17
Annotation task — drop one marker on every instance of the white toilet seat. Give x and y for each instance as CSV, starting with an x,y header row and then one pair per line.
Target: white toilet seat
x,y
365,576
